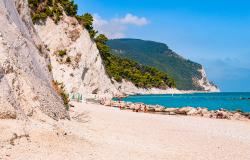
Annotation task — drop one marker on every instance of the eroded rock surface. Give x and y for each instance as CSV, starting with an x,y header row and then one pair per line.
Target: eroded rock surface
x,y
81,69
25,83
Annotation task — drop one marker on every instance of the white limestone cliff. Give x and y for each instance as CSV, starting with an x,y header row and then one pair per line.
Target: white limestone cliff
x,y
85,72
25,83
205,83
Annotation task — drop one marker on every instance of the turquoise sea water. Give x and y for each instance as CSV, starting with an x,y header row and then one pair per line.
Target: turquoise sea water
x,y
212,101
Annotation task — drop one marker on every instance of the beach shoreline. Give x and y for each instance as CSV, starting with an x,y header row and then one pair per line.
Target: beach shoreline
x,y
174,91
184,111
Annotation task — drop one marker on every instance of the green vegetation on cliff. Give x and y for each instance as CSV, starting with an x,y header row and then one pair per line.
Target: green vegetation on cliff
x,y
41,9
158,55
87,21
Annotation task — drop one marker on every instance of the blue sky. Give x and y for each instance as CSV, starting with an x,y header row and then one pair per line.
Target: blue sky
x,y
215,33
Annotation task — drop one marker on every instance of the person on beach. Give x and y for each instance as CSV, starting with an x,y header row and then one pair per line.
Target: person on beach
x,y
120,102
145,109
102,101
137,109
119,99
120,106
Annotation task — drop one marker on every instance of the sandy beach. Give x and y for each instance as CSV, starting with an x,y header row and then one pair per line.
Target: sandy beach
x,y
103,133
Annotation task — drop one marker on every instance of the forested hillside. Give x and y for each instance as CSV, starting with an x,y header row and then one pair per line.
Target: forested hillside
x,y
122,68
160,56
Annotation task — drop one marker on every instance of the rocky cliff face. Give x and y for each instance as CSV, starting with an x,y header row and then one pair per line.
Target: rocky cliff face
x,y
80,67
205,83
25,84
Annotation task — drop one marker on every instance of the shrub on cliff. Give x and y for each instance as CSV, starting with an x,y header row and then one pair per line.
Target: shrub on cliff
x,y
101,41
70,7
87,21
62,53
40,10
54,9
60,90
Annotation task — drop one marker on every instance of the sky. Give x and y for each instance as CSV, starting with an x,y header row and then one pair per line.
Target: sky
x,y
215,33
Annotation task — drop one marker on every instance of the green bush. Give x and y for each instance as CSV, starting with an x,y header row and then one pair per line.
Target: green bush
x,y
65,97
48,11
87,21
33,3
69,7
40,10
62,53
101,39
60,89
35,17
43,16
92,33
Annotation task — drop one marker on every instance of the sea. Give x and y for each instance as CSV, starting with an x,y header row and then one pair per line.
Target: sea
x,y
231,101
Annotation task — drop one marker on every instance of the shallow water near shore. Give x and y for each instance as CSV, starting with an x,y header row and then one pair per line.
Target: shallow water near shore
x,y
213,101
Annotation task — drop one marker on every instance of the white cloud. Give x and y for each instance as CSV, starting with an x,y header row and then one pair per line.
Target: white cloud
x,y
132,19
116,27
98,21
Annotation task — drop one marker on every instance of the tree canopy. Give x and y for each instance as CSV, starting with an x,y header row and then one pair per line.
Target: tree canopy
x,y
87,21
